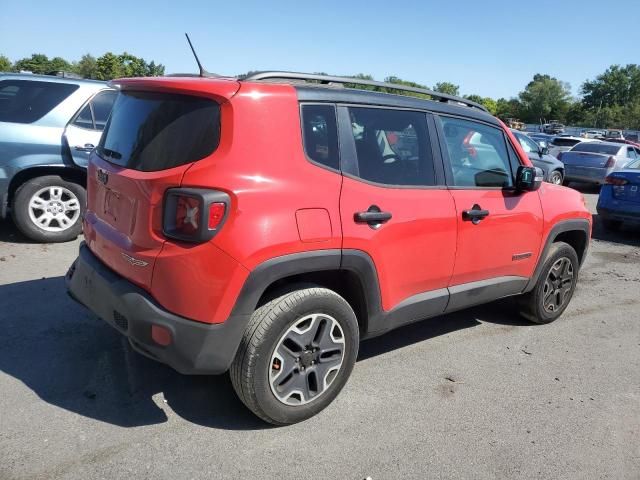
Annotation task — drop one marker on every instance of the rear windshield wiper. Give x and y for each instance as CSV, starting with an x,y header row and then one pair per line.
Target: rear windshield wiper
x,y
107,152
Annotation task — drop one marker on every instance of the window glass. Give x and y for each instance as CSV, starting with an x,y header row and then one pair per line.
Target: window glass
x,y
477,154
631,153
392,146
25,101
528,145
84,118
320,135
151,131
102,104
595,147
633,165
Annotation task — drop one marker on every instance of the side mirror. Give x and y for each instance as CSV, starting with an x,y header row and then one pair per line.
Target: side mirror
x,y
529,179
543,150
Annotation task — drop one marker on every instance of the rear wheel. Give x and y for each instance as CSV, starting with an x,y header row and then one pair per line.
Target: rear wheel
x,y
49,209
556,178
555,287
296,355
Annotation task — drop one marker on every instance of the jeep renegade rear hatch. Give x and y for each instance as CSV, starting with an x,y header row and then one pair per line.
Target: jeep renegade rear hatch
x,y
156,131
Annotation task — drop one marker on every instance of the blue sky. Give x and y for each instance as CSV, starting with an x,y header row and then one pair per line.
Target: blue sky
x,y
492,48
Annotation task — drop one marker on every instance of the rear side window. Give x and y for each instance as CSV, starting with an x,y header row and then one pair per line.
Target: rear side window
x,y
95,114
152,131
477,154
565,142
392,146
631,153
320,135
26,101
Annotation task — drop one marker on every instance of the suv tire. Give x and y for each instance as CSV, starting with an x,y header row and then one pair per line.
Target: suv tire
x,y
296,355
59,219
555,287
556,177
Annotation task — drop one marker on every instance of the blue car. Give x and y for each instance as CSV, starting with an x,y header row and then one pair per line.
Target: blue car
x,y
619,199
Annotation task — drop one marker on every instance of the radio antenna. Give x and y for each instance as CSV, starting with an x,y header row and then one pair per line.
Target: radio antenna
x,y
203,72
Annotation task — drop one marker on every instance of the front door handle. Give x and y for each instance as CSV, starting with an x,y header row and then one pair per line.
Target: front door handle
x,y
475,215
87,147
373,216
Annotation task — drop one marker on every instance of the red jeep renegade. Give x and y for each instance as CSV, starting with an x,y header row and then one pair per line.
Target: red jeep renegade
x,y
267,225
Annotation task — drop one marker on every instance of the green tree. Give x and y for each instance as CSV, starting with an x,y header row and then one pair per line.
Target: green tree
x,y
545,97
59,64
488,102
154,70
407,83
87,66
132,66
616,86
447,87
109,66
508,108
37,63
5,64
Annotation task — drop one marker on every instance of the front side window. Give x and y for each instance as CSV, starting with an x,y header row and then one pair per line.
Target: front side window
x,y
392,146
320,134
527,144
152,131
26,101
477,153
95,114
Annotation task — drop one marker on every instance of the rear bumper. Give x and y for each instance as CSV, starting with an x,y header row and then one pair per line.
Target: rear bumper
x,y
195,347
585,174
629,214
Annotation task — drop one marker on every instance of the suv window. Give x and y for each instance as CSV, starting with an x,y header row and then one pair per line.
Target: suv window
x,y
26,101
151,131
320,134
631,153
392,146
95,114
527,144
477,154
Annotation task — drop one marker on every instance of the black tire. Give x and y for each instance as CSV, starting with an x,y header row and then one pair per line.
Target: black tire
x,y
556,177
532,304
21,209
611,225
250,370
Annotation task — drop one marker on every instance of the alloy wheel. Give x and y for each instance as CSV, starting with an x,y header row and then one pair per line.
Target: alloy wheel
x,y
306,359
54,209
558,285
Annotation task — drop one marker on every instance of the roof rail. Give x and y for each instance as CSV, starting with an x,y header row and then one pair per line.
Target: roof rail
x,y
327,79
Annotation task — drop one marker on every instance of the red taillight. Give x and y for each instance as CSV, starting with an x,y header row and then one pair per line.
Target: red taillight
x,y
194,214
216,214
611,162
616,181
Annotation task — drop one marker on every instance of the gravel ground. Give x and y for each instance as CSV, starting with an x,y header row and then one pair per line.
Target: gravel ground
x,y
476,394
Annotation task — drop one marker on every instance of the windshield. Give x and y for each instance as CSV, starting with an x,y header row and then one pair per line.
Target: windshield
x,y
601,148
156,131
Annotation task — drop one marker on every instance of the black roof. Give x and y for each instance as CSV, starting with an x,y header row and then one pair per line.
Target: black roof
x,y
320,93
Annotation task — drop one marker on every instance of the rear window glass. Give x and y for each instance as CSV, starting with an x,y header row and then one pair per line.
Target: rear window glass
x,y
596,148
320,134
565,142
635,165
152,131
26,101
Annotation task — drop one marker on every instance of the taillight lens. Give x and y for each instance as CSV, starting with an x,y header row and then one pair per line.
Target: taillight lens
x,y
616,181
193,214
611,162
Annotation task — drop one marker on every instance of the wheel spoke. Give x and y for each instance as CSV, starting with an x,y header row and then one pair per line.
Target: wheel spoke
x,y
37,203
55,193
324,367
45,220
72,204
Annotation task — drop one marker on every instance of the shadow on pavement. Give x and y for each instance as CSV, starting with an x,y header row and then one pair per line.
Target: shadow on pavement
x,y
10,234
75,361
629,234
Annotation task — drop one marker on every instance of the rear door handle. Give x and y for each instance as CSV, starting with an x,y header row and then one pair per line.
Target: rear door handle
x,y
475,215
87,147
373,216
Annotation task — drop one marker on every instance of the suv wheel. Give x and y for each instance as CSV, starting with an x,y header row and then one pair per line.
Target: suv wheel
x,y
556,284
296,355
555,177
49,209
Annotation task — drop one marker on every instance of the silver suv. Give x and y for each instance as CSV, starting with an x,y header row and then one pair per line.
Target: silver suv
x,y
48,127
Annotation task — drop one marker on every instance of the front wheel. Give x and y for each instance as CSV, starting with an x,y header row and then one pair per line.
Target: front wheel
x,y
296,355
555,287
49,209
556,178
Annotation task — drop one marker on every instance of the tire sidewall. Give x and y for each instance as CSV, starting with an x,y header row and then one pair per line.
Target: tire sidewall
x,y
337,308
22,219
560,251
558,174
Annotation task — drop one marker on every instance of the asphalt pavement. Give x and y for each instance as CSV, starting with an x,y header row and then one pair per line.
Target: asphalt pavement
x,y
476,394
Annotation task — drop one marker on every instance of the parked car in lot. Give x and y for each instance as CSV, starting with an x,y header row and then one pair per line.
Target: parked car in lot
x,y
261,226
594,134
592,162
553,128
619,199
48,127
552,167
542,139
614,134
559,145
